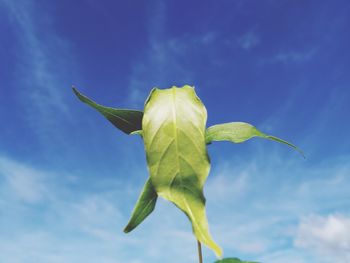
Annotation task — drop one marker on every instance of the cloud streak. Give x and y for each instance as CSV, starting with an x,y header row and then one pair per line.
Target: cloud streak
x,y
165,61
249,40
291,56
41,67
25,184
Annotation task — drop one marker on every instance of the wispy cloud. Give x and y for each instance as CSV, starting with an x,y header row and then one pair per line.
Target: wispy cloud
x,y
249,40
291,56
294,56
22,183
165,60
42,65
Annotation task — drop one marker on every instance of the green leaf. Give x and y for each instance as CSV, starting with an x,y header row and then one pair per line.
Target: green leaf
x,y
124,119
232,260
174,136
238,132
144,206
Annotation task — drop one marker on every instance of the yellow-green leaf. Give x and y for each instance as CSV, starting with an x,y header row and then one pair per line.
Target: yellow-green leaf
x,y
173,130
124,119
144,206
238,132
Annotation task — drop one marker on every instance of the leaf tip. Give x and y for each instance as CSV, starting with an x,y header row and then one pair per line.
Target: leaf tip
x,y
78,94
75,90
127,229
219,252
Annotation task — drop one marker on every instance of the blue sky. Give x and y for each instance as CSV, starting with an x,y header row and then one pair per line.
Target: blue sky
x,y
69,179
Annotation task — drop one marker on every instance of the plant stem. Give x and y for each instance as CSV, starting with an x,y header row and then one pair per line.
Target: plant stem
x,y
199,252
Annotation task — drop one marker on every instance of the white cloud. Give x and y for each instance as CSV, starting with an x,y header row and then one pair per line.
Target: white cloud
x,y
328,236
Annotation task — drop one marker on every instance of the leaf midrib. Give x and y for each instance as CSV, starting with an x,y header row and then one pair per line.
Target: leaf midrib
x,y
178,163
